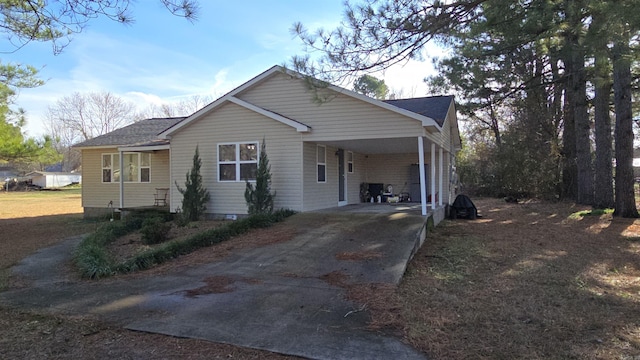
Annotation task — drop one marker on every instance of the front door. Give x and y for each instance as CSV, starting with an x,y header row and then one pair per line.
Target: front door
x,y
342,180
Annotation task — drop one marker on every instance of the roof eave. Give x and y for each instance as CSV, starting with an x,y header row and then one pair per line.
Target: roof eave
x,y
143,148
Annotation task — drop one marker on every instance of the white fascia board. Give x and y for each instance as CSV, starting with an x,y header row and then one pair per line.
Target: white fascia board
x,y
96,147
144,148
300,127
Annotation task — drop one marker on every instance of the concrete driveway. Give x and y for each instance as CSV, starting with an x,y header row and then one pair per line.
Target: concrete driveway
x,y
274,297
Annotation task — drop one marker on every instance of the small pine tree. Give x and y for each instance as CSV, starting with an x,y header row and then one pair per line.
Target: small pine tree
x,y
194,196
259,198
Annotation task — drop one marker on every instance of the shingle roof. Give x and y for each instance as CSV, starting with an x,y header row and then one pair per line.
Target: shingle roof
x,y
144,132
435,107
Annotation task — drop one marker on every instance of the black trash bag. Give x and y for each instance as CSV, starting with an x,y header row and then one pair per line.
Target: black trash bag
x,y
463,208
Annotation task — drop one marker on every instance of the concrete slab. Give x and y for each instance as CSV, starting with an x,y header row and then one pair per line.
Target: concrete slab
x,y
276,299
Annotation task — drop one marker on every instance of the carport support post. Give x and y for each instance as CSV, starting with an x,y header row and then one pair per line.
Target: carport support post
x,y
440,177
433,176
423,188
121,154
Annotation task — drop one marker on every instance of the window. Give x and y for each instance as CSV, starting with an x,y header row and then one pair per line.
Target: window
x,y
238,161
350,161
137,167
322,163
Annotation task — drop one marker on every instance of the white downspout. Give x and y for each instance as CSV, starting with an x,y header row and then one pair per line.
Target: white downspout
x,y
433,176
440,177
423,188
121,179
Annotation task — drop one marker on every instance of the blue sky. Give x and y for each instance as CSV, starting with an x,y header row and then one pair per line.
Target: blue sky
x,y
163,58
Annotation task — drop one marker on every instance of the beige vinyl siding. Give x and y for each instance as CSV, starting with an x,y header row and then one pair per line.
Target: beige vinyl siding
x,y
394,169
342,117
391,169
446,130
231,123
356,178
95,193
319,195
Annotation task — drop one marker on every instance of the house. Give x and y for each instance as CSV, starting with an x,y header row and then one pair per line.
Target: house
x,y
53,180
320,151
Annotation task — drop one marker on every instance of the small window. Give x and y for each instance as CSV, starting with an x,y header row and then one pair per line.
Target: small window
x,y
350,161
237,162
322,163
145,167
106,168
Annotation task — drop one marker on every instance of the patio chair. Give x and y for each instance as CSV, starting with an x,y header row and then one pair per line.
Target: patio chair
x,y
160,197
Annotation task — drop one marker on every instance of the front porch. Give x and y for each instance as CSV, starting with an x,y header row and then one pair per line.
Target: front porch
x,y
418,169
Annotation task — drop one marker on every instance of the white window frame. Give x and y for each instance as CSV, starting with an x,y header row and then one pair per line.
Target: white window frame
x,y
350,162
115,156
237,162
323,164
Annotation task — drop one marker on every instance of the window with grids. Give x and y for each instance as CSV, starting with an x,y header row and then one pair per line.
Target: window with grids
x,y
322,163
136,167
350,161
237,161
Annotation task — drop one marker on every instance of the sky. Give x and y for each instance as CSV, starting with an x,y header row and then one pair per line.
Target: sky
x,y
161,58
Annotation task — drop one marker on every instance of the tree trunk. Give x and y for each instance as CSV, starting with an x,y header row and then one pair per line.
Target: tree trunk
x,y
603,197
582,129
569,168
625,204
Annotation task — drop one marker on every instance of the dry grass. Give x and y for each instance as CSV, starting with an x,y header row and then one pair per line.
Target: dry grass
x,y
32,220
526,281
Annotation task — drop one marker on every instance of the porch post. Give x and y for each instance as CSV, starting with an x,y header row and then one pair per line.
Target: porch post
x,y
121,178
440,177
433,176
423,187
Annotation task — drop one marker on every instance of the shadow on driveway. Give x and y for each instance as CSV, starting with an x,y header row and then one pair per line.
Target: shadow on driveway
x,y
271,298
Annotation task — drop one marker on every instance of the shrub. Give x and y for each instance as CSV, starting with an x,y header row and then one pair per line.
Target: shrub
x,y
155,230
194,195
259,198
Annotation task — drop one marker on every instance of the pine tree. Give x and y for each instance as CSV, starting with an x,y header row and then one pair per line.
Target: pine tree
x,y
194,195
259,198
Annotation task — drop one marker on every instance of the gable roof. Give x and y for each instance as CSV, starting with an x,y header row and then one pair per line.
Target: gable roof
x,y
403,108
435,107
141,133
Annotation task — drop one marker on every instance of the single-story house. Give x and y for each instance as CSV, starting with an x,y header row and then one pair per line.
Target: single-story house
x,y
323,143
54,180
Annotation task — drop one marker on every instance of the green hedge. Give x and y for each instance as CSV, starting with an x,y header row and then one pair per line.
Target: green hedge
x,y
93,260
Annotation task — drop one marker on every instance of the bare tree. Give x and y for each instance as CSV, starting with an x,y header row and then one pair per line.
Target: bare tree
x,y
184,107
80,117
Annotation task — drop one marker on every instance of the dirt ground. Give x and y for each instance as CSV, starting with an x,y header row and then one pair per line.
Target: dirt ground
x,y
528,281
